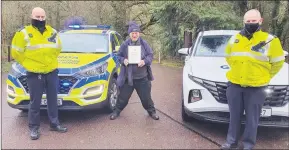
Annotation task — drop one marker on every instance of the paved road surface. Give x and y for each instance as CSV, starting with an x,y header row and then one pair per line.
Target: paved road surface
x,y
133,129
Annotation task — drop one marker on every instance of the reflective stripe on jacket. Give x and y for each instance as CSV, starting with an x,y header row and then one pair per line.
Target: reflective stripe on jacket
x,y
36,52
251,67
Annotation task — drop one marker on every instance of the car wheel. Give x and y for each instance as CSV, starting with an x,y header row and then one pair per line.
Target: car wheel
x,y
112,95
185,116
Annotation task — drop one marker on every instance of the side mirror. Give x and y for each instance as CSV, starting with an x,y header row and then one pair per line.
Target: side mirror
x,y
116,49
183,51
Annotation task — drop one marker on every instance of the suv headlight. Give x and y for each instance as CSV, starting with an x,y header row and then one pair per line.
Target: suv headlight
x,y
94,70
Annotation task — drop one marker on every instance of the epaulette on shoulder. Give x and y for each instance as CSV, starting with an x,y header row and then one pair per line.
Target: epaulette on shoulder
x,y
273,36
270,34
50,28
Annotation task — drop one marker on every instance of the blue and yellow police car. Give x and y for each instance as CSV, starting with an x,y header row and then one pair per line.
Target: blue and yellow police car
x,y
88,69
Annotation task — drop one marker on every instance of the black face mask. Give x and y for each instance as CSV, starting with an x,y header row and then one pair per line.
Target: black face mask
x,y
252,27
38,24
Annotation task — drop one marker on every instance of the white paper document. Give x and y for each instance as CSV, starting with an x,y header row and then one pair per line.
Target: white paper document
x,y
134,54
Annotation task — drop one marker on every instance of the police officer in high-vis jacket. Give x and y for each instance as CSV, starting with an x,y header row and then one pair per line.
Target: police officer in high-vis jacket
x,y
36,47
254,57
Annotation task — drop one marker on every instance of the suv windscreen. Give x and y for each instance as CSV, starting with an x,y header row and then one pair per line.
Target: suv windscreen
x,y
84,42
212,45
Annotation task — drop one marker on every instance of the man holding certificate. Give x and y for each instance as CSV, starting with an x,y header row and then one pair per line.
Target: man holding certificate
x,y
136,56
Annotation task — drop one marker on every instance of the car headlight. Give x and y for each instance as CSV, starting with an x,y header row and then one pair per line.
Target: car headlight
x,y
94,70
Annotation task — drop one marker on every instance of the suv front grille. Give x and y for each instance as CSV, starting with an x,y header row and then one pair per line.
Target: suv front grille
x,y
278,97
62,88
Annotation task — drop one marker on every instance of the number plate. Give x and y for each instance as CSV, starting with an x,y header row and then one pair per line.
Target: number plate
x,y
44,102
265,112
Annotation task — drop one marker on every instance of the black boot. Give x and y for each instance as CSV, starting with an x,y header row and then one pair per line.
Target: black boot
x,y
34,134
58,128
114,115
154,116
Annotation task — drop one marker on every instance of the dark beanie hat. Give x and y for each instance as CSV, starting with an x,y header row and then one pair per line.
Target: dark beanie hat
x,y
133,27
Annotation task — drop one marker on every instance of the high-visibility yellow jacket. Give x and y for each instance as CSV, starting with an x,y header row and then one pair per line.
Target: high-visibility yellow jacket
x,y
36,52
253,68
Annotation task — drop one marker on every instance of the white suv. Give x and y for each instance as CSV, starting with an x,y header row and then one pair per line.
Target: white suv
x,y
205,82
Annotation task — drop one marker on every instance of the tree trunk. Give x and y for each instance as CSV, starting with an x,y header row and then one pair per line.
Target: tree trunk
x,y
58,16
243,6
285,32
120,17
275,13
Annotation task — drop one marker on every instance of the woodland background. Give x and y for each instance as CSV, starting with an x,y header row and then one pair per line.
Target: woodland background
x,y
162,22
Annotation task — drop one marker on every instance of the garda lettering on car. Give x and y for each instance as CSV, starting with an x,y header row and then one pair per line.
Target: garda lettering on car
x,y
68,59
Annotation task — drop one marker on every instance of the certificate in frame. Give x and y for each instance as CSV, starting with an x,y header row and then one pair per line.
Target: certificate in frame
x,y
134,54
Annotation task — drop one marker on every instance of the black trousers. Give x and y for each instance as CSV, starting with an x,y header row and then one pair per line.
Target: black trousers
x,y
143,89
250,100
36,84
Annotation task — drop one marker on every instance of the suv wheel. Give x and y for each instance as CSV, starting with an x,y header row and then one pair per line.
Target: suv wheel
x,y
112,95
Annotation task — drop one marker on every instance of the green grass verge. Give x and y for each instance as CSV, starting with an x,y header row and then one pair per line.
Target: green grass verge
x,y
171,63
5,67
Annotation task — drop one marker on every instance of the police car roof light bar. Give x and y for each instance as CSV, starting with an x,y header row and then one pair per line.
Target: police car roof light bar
x,y
74,26
103,27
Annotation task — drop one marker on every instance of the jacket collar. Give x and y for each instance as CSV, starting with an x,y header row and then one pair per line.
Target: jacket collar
x,y
245,33
40,30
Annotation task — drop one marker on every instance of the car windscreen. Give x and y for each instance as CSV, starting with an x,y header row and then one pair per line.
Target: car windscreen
x,y
84,42
212,45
